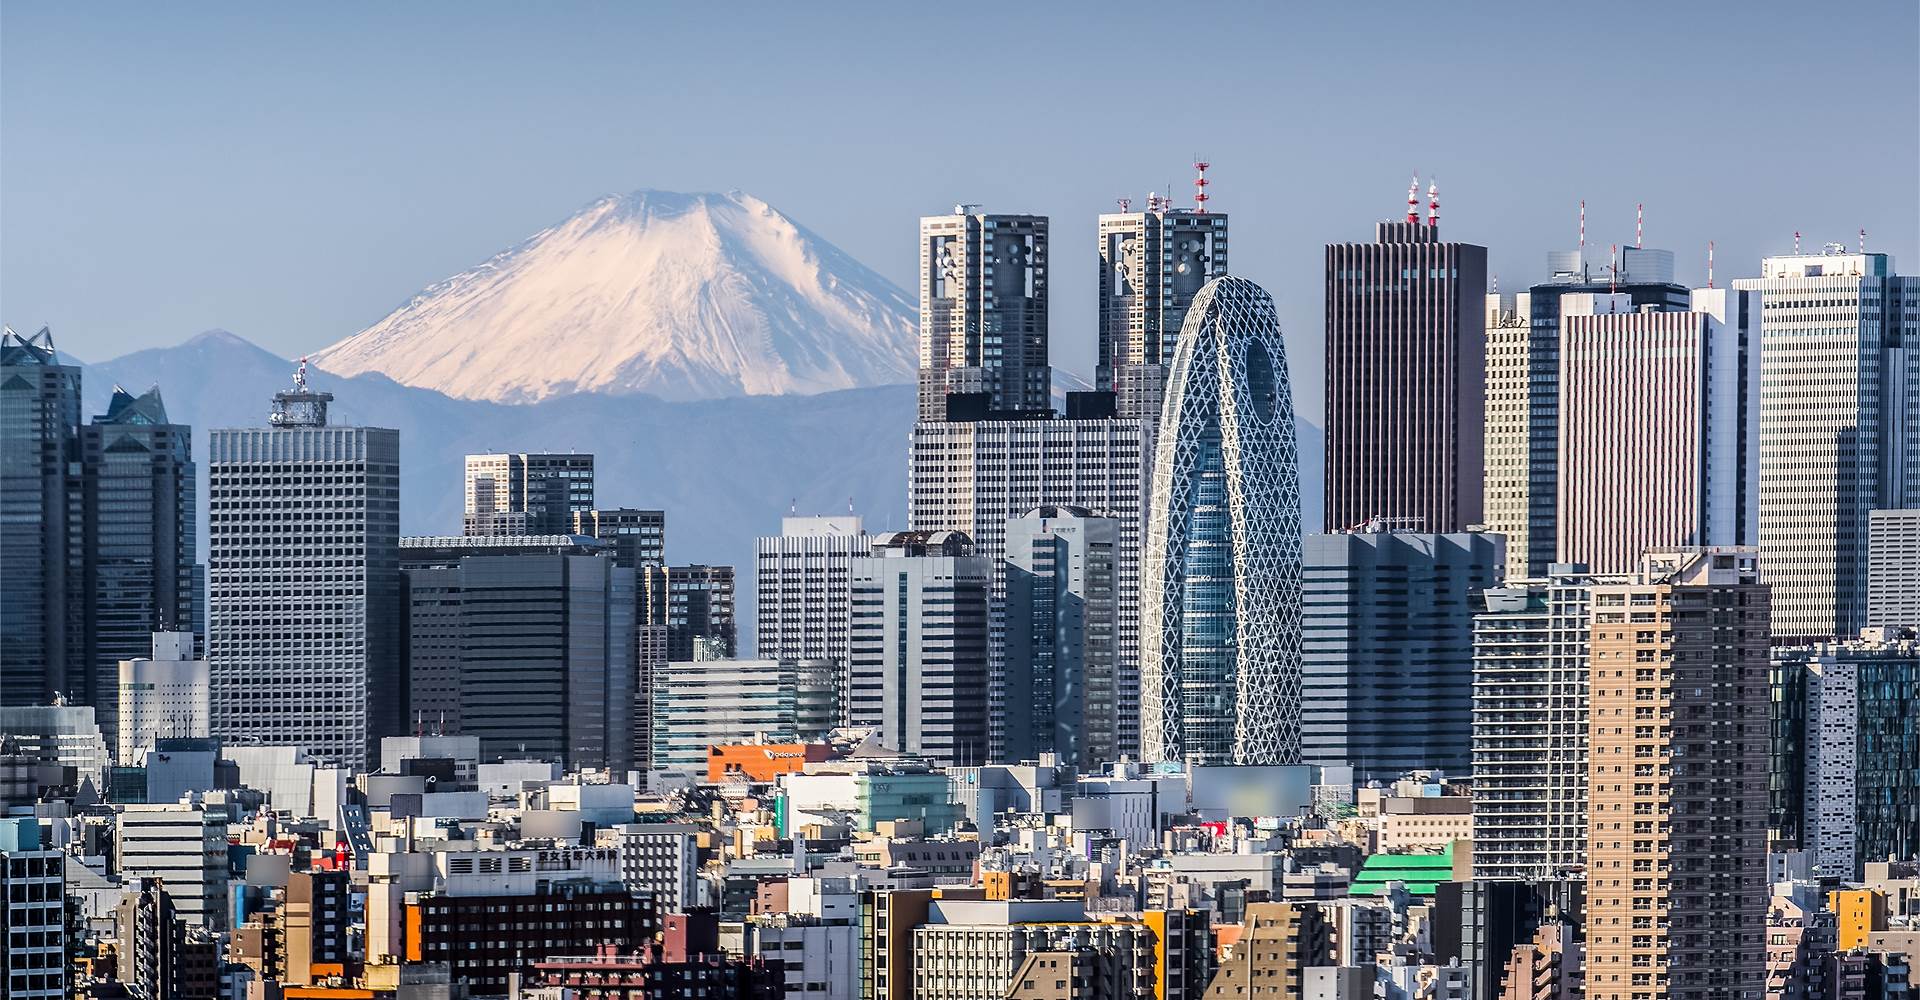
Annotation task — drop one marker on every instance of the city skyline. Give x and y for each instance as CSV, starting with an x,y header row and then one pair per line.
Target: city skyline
x,y
279,126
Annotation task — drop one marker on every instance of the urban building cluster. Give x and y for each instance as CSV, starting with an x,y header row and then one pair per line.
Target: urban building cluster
x,y
1600,677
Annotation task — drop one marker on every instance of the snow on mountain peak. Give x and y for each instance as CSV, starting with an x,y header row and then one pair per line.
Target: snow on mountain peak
x,y
685,296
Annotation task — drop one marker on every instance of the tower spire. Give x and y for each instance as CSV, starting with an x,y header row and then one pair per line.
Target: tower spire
x,y
1639,223
1413,200
1200,184
1433,203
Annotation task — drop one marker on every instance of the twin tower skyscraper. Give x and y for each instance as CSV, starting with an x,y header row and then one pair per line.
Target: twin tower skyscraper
x,y
1187,441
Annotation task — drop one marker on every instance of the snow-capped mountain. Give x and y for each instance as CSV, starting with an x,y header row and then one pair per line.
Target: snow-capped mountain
x,y
683,296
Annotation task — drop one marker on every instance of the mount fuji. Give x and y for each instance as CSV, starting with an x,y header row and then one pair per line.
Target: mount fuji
x,y
679,296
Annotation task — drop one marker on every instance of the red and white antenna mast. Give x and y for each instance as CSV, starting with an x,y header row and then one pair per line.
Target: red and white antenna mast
x,y
1433,205
1796,241
1583,225
1413,200
1126,204
1863,241
1613,268
1200,184
1639,223
1709,263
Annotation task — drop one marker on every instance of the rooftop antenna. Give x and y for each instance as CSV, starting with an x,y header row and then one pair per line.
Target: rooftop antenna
x,y
793,506
1153,201
1863,241
1613,268
1796,241
1433,204
1126,205
1496,282
1583,225
1200,184
1709,263
849,505
1413,200
300,376
1639,223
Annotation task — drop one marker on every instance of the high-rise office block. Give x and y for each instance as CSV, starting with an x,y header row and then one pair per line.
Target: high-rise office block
x,y
983,312
974,477
1659,425
1676,855
1063,638
1893,568
1521,493
529,640
1530,672
1839,428
527,494
1386,649
699,606
639,536
1857,788
42,517
1406,378
303,581
917,645
183,844
802,591
1152,264
702,703
1220,574
161,695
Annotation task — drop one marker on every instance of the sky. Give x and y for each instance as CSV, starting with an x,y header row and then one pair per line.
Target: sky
x,y
294,172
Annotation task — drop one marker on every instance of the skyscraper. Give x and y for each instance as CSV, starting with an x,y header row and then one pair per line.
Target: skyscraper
x,y
303,580
1406,378
975,476
1893,568
138,568
1152,263
529,640
639,537
1063,637
527,494
1386,648
699,606
1530,685
983,312
1659,422
41,522
1521,493
1220,577
639,540
918,645
803,591
1677,773
1839,427
161,695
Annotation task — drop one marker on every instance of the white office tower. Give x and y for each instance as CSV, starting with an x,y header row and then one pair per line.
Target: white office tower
x,y
1220,673
164,695
303,581
983,313
1152,264
802,592
1659,425
1839,428
183,844
973,477
918,646
1507,504
1530,683
526,494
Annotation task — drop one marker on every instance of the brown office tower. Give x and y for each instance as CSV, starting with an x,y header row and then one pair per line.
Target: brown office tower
x,y
1406,377
1676,902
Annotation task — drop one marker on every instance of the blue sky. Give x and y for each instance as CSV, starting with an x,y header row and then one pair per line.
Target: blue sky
x,y
293,173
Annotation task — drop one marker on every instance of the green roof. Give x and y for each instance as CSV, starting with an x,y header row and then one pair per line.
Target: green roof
x,y
1420,872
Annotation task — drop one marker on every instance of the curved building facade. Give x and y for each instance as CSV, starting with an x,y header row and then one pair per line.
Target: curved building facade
x,y
1220,574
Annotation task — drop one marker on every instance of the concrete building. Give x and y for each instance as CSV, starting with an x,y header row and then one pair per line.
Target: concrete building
x,y
1530,699
1278,943
1220,571
1063,637
303,581
702,703
967,949
60,735
1523,391
184,845
518,493
1659,426
700,606
165,694
983,313
1152,264
1839,428
802,592
1857,755
33,913
662,859
525,642
1387,648
1677,836
917,647
976,476
1893,568
1406,378
41,523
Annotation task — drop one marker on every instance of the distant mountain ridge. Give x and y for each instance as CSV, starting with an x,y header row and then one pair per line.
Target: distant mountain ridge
x,y
682,296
